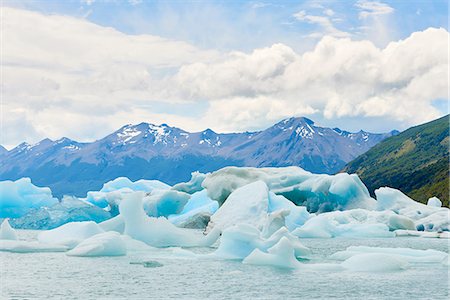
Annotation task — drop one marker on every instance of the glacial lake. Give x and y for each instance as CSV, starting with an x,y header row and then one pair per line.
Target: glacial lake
x,y
141,275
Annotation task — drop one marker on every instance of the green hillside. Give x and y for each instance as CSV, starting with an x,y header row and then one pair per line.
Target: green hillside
x,y
416,162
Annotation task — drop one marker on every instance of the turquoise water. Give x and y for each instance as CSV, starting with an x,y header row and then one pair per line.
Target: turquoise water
x,y
57,276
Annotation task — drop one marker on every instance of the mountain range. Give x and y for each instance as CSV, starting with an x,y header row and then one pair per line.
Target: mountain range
x,y
170,154
415,161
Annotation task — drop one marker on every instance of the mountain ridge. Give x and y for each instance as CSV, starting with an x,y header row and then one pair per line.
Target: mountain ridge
x,y
170,154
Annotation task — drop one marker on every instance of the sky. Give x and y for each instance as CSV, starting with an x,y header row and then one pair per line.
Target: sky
x,y
84,68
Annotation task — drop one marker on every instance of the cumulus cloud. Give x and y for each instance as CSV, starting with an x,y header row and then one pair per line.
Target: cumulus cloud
x,y
54,64
339,78
68,77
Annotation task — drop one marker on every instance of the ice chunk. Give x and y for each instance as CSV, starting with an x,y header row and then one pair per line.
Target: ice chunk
x,y
319,193
435,202
238,241
197,211
102,244
375,262
317,227
70,209
111,193
114,224
275,221
192,186
426,217
280,255
29,247
18,197
395,200
329,225
406,254
70,234
140,185
158,232
401,222
6,231
247,204
164,202
297,216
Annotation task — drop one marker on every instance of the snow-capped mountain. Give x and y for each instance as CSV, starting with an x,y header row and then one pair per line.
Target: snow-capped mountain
x,y
170,154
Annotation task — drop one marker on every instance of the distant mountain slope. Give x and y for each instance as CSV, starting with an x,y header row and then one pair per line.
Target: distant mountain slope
x,y
170,154
416,161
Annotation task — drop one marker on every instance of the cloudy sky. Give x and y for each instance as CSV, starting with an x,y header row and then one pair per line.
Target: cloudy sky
x,y
82,69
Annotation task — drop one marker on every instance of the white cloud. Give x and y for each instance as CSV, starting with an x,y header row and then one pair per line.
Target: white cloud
x,y
329,12
372,8
68,77
323,22
340,78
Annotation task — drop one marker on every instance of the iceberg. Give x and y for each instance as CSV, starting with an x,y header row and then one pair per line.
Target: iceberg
x,y
425,217
248,204
102,244
281,255
375,262
318,192
297,216
192,186
111,193
139,185
6,231
116,224
237,242
70,234
70,209
162,203
158,232
197,211
356,223
18,197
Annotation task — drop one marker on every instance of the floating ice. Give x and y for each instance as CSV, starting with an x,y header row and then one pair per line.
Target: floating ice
x,y
248,204
70,234
297,216
111,193
158,232
435,202
140,185
29,247
319,193
353,223
70,209
6,231
375,262
426,217
238,241
164,202
281,255
102,244
192,186
114,224
406,254
197,211
18,197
